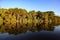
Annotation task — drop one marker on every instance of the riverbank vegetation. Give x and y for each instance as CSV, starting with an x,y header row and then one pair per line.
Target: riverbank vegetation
x,y
21,16
17,20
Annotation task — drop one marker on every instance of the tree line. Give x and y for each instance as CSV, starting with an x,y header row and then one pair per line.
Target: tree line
x,y
19,15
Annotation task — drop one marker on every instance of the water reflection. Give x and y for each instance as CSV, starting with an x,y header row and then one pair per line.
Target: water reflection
x,y
18,28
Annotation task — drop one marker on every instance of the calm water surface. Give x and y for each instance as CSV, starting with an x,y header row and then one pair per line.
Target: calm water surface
x,y
30,32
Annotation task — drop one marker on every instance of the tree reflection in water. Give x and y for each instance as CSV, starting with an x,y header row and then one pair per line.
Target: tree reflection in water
x,y
23,28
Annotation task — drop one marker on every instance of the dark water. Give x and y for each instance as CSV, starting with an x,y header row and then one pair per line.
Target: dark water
x,y
30,32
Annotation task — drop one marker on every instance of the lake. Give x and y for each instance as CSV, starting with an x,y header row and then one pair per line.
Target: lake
x,y
30,32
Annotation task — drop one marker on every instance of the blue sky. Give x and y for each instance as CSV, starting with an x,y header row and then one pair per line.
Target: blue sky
x,y
42,5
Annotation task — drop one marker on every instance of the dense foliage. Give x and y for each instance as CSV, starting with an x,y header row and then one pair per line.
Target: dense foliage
x,y
16,20
18,15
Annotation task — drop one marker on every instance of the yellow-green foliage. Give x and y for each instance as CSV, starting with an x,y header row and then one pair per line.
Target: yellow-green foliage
x,y
1,21
18,15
